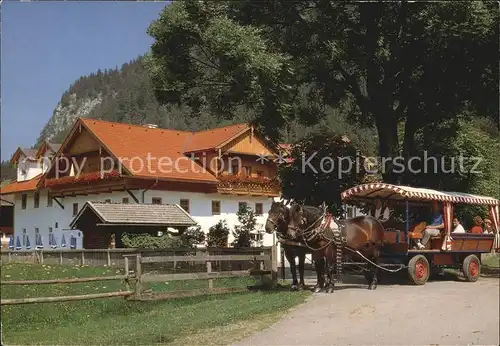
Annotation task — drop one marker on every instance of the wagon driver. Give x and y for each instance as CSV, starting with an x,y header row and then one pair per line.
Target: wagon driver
x,y
434,228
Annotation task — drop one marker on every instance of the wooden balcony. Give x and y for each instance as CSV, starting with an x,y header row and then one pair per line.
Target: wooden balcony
x,y
94,182
248,185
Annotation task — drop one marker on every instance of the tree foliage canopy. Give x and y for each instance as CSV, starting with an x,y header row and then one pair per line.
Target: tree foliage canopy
x,y
405,67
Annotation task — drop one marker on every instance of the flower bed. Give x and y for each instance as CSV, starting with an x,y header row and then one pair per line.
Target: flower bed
x,y
86,178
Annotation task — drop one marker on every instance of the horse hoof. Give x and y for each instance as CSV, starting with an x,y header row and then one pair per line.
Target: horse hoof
x,y
330,290
317,289
372,287
294,288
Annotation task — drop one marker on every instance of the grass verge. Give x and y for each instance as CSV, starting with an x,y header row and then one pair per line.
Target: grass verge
x,y
213,320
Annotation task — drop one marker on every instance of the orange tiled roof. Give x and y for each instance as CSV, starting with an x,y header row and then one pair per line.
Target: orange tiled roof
x,y
126,141
211,139
21,186
27,152
46,145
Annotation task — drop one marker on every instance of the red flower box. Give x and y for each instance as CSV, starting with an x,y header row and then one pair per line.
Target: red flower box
x,y
82,178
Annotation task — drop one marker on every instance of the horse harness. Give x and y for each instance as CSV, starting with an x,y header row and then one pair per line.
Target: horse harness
x,y
312,233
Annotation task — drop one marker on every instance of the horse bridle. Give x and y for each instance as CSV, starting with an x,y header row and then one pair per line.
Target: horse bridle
x,y
309,233
281,217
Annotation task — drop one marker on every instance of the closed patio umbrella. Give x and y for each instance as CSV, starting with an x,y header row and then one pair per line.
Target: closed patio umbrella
x,y
11,242
38,241
28,244
63,241
73,242
52,240
18,243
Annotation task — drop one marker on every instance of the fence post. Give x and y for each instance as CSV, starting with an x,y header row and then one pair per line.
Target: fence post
x,y
209,270
127,285
60,257
261,267
274,264
138,274
9,257
83,258
109,258
283,264
41,256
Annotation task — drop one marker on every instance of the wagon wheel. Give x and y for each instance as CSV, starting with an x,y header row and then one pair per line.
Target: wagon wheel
x,y
471,268
418,270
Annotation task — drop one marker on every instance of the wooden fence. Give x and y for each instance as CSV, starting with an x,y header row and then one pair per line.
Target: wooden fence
x,y
152,266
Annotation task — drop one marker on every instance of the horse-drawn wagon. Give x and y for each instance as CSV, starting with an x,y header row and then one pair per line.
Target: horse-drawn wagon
x,y
389,245
448,249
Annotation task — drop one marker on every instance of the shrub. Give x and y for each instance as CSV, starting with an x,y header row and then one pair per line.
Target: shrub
x,y
149,241
192,236
242,232
218,234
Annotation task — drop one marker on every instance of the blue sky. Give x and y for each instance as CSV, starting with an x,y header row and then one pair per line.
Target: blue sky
x,y
46,46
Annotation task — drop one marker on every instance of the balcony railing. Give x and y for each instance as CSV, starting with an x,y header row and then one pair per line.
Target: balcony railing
x,y
239,184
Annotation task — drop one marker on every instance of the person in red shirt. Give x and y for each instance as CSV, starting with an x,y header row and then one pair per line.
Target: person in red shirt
x,y
478,229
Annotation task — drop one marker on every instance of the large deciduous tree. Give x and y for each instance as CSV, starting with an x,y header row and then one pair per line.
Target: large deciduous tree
x,y
405,66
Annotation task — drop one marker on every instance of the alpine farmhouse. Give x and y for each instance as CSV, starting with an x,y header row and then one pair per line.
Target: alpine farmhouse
x,y
207,175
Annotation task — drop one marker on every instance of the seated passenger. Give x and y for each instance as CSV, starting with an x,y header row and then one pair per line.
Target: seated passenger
x,y
378,214
488,227
477,229
458,226
434,228
377,211
387,214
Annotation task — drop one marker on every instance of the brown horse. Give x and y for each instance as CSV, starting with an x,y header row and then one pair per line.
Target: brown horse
x,y
278,220
360,235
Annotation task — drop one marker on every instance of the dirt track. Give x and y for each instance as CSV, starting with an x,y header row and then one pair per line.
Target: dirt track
x,y
444,312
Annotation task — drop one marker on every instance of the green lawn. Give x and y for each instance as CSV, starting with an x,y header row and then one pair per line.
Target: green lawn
x,y
218,319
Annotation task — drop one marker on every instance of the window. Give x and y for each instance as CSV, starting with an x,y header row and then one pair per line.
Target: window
x,y
125,200
36,200
107,201
259,209
257,236
185,205
51,238
108,164
234,169
156,200
57,224
75,209
24,236
49,199
24,199
247,170
242,205
215,207
38,238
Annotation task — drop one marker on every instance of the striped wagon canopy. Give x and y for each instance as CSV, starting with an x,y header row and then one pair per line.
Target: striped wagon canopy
x,y
396,192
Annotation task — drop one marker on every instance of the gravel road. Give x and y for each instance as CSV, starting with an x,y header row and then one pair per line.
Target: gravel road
x,y
444,312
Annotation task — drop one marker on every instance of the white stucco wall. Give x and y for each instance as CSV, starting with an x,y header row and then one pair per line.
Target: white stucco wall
x,y
31,169
59,219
